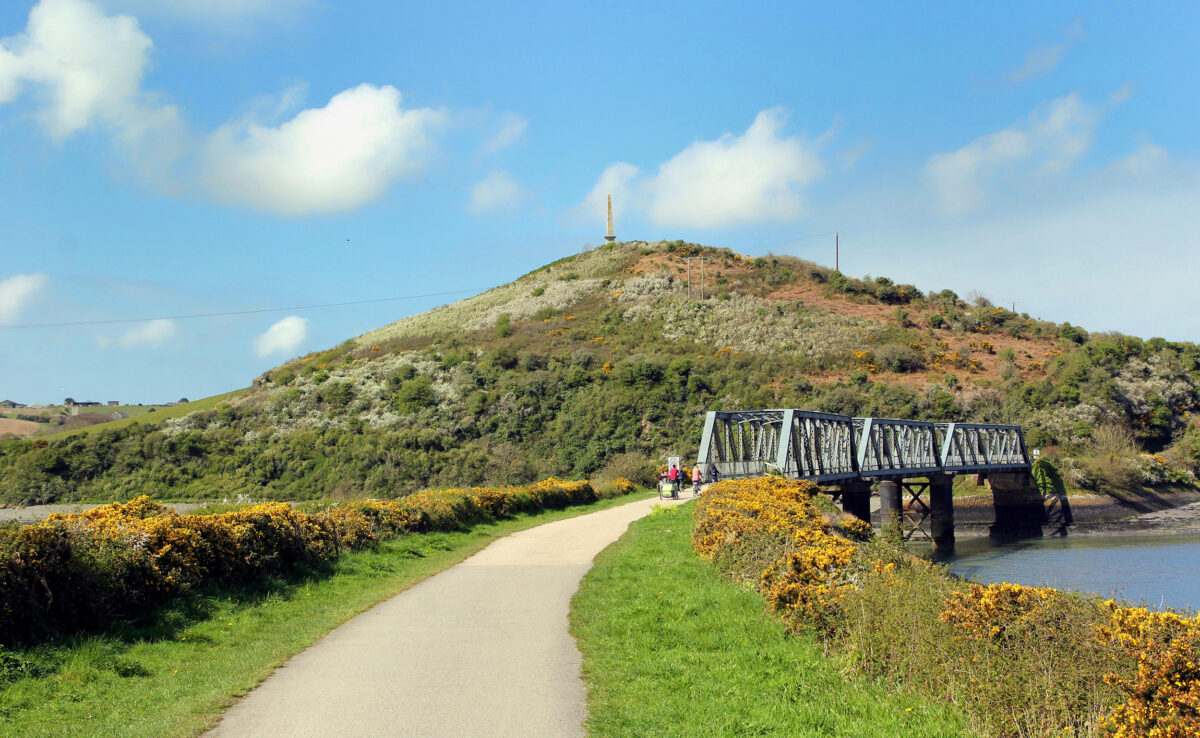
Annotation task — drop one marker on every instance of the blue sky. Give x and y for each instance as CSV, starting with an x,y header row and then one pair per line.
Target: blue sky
x,y
211,156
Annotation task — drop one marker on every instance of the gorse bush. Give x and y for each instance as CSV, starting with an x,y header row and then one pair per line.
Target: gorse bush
x,y
1020,661
81,572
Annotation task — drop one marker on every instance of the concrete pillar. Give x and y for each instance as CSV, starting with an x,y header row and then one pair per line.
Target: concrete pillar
x,y
941,513
890,512
1018,503
856,499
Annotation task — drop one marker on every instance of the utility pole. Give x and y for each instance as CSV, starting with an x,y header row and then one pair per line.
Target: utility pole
x,y
835,252
689,260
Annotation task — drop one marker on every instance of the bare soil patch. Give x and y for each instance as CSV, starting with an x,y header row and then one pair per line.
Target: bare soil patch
x,y
20,428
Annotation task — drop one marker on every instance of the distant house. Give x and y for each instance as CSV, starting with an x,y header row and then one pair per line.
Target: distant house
x,y
170,404
10,404
114,403
87,404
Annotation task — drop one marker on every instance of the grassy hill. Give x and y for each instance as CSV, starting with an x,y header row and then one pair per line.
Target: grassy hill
x,y
599,362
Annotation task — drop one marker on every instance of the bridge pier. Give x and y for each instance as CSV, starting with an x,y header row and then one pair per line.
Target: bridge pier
x,y
1020,512
856,499
891,508
941,513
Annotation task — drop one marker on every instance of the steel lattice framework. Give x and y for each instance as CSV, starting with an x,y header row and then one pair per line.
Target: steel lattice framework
x,y
824,447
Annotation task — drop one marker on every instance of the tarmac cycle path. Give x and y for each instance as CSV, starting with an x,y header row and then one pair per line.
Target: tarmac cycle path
x,y
481,649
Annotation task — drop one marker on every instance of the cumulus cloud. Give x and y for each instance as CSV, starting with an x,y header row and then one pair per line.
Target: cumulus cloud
x,y
16,292
323,160
512,127
735,179
1055,135
755,177
152,332
84,68
497,192
282,338
1045,58
1147,159
618,180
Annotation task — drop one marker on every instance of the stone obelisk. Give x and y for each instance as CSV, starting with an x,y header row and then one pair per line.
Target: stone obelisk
x,y
608,236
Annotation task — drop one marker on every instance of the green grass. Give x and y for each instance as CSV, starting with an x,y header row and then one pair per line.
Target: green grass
x,y
174,674
145,416
672,649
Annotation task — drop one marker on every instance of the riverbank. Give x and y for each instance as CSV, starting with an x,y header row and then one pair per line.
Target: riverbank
x,y
1164,512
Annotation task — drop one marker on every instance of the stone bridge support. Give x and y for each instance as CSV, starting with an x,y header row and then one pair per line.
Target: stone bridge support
x,y
941,513
1020,512
856,499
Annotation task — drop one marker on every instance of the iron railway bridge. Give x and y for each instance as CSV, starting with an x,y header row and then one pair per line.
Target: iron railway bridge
x,y
850,454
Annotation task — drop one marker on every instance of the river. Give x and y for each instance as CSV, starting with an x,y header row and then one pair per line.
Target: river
x,y
1159,571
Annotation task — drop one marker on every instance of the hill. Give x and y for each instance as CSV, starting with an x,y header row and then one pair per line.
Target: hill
x,y
600,362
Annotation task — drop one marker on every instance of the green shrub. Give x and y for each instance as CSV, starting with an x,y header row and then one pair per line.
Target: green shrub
x,y
503,327
413,395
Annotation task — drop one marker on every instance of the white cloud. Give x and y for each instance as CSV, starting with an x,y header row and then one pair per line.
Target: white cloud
x,y
1121,94
83,69
16,292
152,332
497,192
83,66
1145,160
733,180
1055,136
324,160
282,338
736,179
512,127
618,180
1044,59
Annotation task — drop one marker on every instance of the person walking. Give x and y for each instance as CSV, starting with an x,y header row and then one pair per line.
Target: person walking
x,y
696,475
673,475
713,474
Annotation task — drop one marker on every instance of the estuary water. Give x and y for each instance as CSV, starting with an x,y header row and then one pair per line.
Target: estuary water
x,y
1157,571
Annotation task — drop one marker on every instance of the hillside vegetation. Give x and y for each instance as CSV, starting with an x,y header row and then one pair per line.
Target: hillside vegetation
x,y
600,362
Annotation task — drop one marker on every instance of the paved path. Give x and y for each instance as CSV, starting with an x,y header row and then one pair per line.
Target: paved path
x,y
481,649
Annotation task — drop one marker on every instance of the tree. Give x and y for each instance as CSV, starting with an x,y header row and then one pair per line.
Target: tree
x,y
69,401
183,400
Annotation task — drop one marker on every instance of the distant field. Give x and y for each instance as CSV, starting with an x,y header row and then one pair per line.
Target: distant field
x,y
143,414
19,427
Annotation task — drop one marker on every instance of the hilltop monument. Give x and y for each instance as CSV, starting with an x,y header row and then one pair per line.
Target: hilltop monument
x,y
608,235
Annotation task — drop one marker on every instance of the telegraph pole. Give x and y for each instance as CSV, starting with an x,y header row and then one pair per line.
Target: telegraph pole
x,y
689,260
835,252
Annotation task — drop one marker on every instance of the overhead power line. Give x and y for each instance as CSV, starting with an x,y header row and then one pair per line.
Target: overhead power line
x,y
114,321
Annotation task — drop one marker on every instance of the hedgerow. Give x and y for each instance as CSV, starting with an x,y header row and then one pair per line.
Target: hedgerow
x,y
1019,660
81,572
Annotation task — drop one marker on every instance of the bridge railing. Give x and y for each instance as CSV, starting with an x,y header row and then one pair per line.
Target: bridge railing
x,y
826,447
978,447
891,447
797,443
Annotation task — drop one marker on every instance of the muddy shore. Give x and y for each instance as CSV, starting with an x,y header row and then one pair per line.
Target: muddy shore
x,y
1164,513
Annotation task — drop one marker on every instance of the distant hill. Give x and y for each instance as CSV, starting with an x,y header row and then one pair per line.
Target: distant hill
x,y
601,361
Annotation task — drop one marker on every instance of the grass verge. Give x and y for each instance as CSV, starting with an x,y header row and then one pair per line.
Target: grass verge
x,y
173,674
672,649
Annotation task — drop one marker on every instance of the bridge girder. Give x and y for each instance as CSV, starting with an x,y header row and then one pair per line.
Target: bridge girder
x,y
826,447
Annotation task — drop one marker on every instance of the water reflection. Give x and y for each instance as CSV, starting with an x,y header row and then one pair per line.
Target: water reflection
x,y
1157,571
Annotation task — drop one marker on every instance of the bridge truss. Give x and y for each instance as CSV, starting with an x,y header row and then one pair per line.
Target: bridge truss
x,y
825,447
